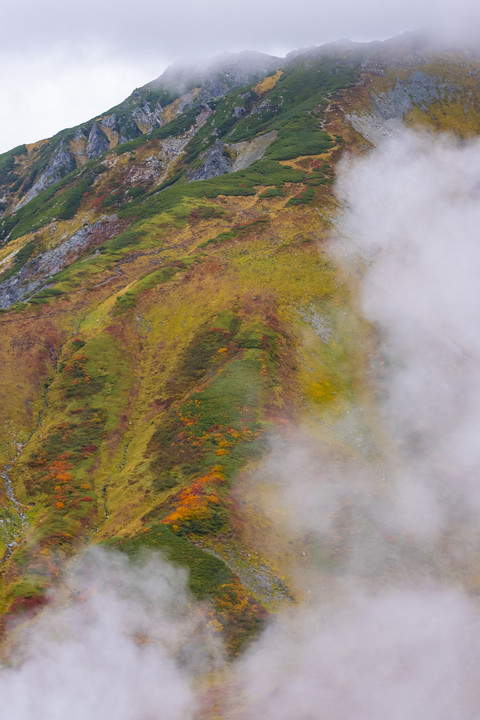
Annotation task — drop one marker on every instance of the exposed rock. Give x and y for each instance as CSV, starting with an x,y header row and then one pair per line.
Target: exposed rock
x,y
34,274
149,171
109,122
390,107
147,118
97,142
199,84
219,75
249,151
239,111
420,89
221,158
261,107
186,100
214,163
80,134
61,163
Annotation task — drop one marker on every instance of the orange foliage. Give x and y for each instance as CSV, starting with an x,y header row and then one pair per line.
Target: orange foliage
x,y
231,598
197,499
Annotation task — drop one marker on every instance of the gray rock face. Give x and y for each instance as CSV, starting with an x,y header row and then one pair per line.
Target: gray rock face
x,y
261,107
249,151
239,156
390,107
97,142
80,134
109,122
147,118
420,89
36,272
239,111
61,163
214,163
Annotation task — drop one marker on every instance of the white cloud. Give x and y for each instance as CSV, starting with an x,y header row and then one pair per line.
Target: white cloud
x,y
389,625
396,654
118,640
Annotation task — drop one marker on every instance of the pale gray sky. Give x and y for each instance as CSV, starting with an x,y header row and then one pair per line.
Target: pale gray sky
x,y
62,64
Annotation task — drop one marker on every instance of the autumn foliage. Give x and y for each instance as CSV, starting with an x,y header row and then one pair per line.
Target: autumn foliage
x,y
200,507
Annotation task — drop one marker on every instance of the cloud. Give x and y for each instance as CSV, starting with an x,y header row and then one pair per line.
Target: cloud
x,y
119,639
398,654
388,625
210,26
415,232
408,226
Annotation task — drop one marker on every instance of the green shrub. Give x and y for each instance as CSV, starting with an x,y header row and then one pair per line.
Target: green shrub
x,y
272,192
304,198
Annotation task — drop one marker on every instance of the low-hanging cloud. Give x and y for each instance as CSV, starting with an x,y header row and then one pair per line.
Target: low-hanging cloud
x,y
409,226
389,625
412,217
401,654
119,639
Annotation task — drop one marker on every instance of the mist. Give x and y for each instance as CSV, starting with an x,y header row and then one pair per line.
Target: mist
x,y
119,639
400,654
415,234
388,620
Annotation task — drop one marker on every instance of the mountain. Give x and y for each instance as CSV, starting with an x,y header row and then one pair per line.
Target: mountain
x,y
170,310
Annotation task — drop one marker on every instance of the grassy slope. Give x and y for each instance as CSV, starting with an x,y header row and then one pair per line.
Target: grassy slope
x,y
147,385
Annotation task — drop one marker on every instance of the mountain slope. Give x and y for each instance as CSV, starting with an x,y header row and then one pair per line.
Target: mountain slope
x,y
169,306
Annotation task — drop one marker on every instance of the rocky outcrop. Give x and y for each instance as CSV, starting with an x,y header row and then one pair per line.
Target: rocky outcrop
x,y
97,142
61,163
35,274
219,75
419,89
110,121
214,162
144,111
249,151
239,111
221,158
147,118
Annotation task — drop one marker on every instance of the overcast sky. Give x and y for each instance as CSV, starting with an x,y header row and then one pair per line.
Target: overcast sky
x,y
62,64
